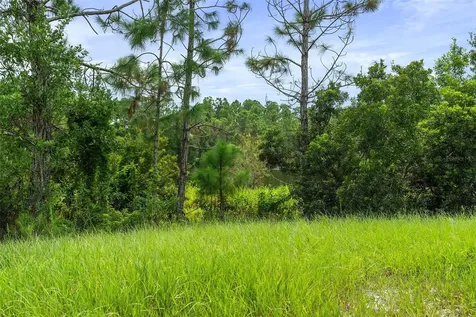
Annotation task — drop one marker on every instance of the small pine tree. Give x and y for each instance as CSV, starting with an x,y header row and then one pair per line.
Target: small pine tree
x,y
214,176
204,55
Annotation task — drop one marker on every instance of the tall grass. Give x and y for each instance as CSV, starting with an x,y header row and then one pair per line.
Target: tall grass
x,y
411,266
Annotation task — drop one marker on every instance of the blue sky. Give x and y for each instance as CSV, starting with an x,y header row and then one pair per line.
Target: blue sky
x,y
400,31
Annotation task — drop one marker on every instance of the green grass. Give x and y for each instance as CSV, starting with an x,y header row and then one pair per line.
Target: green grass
x,y
417,267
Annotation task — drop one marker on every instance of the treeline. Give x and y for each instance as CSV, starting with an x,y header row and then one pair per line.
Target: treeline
x,y
87,147
103,175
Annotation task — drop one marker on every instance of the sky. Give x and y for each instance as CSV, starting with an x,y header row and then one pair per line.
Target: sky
x,y
400,31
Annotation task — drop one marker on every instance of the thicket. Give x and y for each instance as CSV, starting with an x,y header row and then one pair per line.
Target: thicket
x,y
405,143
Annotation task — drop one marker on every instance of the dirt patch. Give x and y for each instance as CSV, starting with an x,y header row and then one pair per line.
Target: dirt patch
x,y
392,301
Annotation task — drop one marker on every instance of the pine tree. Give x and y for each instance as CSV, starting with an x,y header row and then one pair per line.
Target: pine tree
x,y
305,25
203,55
153,27
214,175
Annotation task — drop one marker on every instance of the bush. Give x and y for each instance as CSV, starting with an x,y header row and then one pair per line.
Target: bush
x,y
114,220
51,225
264,203
193,203
244,203
277,203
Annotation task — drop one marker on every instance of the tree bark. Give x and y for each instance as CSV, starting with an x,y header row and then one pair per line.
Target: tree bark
x,y
222,198
161,90
304,96
184,148
156,140
40,166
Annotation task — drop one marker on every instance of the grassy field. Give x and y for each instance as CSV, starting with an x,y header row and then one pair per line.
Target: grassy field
x,y
404,267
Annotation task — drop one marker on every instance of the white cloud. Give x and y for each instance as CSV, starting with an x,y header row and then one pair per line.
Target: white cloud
x,y
365,59
401,31
422,14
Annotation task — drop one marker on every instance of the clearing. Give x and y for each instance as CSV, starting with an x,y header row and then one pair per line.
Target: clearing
x,y
350,267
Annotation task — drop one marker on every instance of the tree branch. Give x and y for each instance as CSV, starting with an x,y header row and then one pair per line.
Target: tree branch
x,y
86,13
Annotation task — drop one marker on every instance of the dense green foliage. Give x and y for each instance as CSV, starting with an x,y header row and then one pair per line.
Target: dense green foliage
x,y
213,175
404,267
84,147
405,143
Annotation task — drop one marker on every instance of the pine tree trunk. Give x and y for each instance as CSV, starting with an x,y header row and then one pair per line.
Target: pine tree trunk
x,y
304,98
183,170
187,94
161,90
222,198
156,144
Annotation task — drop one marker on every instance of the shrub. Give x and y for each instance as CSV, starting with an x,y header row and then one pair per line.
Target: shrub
x,y
193,202
114,220
265,203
